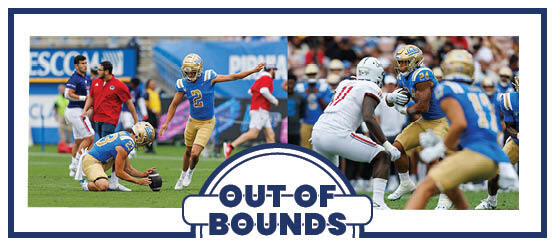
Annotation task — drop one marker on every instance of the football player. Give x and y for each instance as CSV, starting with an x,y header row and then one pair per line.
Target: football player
x,y
474,129
113,150
505,76
334,133
77,89
509,106
420,82
198,86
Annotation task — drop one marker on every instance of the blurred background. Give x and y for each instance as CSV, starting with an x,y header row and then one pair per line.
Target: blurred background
x,y
318,64
156,61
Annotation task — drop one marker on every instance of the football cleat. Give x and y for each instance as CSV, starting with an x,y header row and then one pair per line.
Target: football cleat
x,y
117,187
227,149
486,204
72,169
187,179
378,206
404,188
443,203
179,184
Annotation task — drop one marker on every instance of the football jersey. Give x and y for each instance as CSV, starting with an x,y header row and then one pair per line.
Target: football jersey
x,y
104,149
344,112
258,101
420,75
200,94
482,121
81,86
313,109
509,105
504,89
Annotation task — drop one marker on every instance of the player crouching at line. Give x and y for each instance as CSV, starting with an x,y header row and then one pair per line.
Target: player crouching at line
x,y
113,150
334,133
474,125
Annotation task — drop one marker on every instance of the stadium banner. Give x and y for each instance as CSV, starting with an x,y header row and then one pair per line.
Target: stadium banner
x,y
42,121
224,57
56,65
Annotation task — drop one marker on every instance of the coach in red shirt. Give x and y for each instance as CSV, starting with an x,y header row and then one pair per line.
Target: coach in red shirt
x,y
261,99
106,96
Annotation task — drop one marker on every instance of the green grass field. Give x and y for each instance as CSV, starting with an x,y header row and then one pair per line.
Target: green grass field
x,y
51,186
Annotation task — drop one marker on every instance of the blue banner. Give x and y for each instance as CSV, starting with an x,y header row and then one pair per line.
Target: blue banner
x,y
55,65
225,57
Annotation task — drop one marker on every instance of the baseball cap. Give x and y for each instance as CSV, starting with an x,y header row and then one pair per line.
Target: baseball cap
x,y
270,66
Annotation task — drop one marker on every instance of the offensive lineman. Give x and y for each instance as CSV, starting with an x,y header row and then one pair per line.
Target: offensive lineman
x,y
198,86
473,126
334,133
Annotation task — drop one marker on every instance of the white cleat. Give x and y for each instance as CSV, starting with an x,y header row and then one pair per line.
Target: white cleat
x,y
486,204
403,188
378,206
444,204
187,179
117,187
72,169
179,184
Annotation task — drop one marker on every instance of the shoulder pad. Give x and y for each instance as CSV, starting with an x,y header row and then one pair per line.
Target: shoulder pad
x,y
422,74
209,75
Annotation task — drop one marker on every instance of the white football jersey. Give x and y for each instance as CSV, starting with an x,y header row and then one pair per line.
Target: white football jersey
x,y
344,112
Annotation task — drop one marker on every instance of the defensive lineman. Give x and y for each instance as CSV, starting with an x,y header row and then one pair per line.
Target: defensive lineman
x,y
334,133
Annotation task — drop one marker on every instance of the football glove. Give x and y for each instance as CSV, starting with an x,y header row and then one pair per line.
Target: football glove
x,y
431,153
396,97
507,175
394,152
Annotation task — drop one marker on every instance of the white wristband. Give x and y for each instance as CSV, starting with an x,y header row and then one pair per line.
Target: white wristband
x,y
82,98
387,145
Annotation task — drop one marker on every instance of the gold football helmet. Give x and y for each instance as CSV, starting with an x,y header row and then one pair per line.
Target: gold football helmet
x,y
438,73
312,73
336,67
488,86
192,63
505,75
144,133
410,55
458,65
515,82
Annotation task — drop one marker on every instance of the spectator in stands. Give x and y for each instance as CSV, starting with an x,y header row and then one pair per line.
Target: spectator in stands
x,y
154,108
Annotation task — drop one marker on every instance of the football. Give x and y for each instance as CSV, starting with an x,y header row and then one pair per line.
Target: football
x,y
156,180
405,91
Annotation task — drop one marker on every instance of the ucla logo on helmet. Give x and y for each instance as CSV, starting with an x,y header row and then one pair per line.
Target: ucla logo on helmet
x,y
148,131
411,51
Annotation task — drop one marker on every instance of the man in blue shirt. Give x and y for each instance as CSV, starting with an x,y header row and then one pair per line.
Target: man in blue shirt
x,y
77,89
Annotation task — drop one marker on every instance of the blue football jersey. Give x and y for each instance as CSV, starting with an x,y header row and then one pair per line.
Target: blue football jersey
x,y
81,86
483,125
313,109
200,95
504,89
509,105
419,75
104,149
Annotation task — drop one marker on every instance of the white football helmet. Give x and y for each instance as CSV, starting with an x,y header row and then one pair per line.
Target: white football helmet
x,y
369,68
